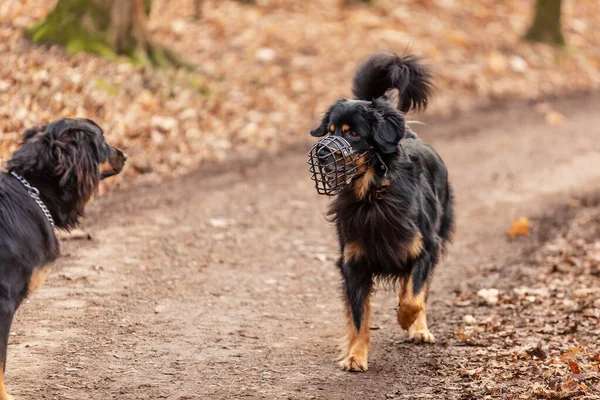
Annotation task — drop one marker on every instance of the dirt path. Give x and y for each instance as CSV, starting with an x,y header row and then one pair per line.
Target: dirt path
x,y
224,286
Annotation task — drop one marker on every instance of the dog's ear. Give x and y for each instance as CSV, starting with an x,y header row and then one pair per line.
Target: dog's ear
x,y
322,129
31,132
31,157
389,132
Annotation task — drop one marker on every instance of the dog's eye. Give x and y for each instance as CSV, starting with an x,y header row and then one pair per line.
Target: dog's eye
x,y
351,134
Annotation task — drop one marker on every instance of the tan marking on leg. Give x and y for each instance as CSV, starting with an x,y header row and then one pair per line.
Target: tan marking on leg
x,y
345,128
331,128
3,394
353,252
414,247
418,331
401,288
412,314
363,183
38,278
355,351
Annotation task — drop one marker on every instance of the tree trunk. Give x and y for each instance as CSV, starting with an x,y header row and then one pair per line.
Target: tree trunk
x,y
546,25
198,8
351,2
105,27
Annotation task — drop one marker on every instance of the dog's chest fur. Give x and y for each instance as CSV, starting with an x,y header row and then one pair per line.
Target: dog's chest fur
x,y
377,227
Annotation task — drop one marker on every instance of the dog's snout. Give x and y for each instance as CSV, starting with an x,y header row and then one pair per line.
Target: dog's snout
x,y
323,152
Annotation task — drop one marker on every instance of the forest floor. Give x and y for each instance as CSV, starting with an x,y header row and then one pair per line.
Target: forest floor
x,y
221,284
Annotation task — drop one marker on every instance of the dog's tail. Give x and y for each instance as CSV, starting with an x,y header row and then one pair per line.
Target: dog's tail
x,y
384,71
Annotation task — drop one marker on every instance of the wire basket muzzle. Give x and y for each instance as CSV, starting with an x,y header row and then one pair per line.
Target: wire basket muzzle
x,y
333,164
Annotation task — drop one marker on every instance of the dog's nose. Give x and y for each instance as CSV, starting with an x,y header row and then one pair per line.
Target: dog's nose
x,y
120,154
323,152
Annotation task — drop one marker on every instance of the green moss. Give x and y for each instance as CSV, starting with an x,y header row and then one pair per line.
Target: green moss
x,y
199,86
105,86
64,26
82,26
148,7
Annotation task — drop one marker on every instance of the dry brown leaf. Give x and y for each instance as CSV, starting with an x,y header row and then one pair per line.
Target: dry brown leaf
x,y
555,118
519,227
574,367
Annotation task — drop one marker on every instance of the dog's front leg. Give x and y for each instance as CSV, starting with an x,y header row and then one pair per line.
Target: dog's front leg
x,y
7,312
357,289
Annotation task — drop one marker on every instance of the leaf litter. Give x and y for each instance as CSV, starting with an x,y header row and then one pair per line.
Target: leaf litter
x,y
540,335
269,70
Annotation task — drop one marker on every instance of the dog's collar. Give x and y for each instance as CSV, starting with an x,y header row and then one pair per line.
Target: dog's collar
x,y
34,193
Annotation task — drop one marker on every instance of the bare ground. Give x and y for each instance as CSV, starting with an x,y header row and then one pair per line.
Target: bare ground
x,y
223,285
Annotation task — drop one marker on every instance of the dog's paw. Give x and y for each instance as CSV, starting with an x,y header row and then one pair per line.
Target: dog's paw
x,y
354,364
421,335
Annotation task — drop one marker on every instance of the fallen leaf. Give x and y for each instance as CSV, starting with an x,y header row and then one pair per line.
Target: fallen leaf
x,y
574,367
519,227
555,118
490,296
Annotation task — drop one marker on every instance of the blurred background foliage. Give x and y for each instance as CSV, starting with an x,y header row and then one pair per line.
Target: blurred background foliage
x,y
182,83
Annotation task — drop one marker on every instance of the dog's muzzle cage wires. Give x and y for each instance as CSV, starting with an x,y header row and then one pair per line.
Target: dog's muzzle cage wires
x,y
333,164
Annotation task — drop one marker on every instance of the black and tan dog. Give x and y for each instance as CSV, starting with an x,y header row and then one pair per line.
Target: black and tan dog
x,y
50,178
393,214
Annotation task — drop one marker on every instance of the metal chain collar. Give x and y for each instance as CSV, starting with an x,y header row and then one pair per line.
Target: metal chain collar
x,y
35,195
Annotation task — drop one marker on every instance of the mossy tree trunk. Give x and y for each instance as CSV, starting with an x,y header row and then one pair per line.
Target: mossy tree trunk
x,y
198,8
105,27
546,25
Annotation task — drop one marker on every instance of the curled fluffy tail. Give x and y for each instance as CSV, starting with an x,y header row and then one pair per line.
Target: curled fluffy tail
x,y
384,71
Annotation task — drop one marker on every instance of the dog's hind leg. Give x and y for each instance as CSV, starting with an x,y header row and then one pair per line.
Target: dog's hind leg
x,y
412,310
358,320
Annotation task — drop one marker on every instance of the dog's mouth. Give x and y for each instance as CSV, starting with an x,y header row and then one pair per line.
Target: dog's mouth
x,y
334,164
114,163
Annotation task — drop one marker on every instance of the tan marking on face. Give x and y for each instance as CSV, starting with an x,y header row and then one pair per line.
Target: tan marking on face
x,y
38,277
345,128
331,128
355,347
362,184
362,161
353,252
106,167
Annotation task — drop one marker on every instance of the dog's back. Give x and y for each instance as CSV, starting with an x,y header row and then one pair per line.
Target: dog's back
x,y
435,175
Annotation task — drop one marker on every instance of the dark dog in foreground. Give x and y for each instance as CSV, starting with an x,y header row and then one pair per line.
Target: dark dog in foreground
x,y
393,210
50,178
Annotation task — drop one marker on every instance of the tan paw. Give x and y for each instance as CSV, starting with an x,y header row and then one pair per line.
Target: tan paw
x,y
421,335
354,364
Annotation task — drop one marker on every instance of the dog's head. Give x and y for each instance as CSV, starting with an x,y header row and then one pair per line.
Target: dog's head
x,y
360,134
71,153
366,125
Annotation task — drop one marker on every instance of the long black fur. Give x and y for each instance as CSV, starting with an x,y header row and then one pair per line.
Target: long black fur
x,y
413,196
62,160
